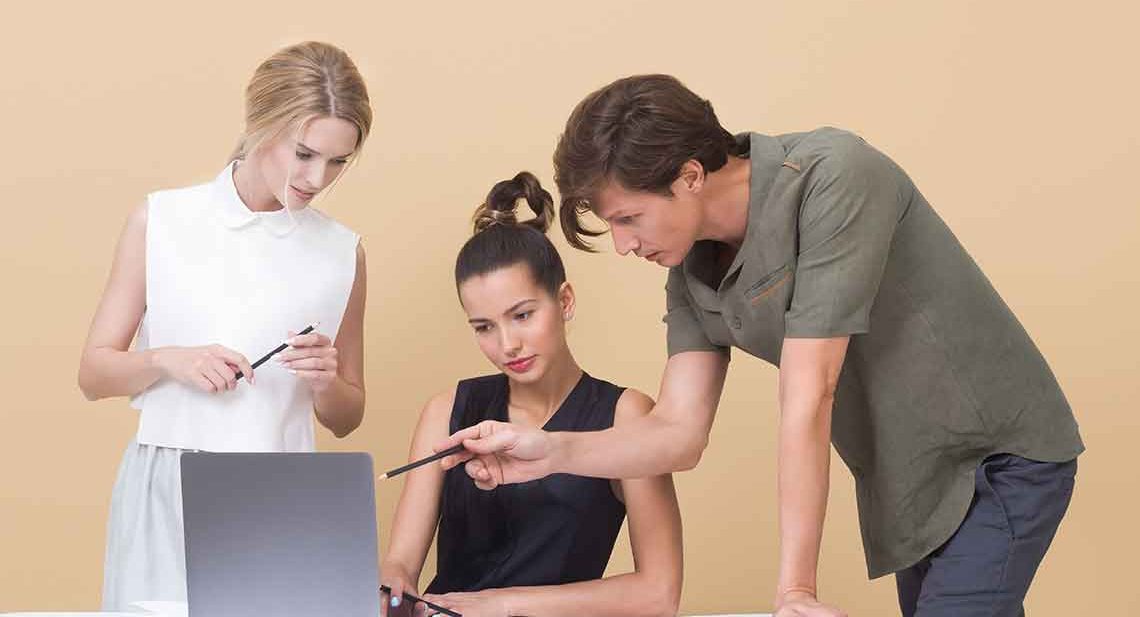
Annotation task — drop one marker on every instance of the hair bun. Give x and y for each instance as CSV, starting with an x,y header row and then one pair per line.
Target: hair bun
x,y
502,202
485,217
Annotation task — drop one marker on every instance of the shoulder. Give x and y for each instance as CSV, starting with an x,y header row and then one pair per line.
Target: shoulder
x,y
438,407
834,153
361,259
444,402
181,195
828,140
177,204
137,219
632,404
335,227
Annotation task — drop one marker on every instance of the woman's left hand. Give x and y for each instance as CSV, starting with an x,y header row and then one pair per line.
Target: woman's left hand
x,y
312,358
487,603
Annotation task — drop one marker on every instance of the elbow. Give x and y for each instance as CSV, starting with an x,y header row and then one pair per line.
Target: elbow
x,y
341,417
345,428
662,599
671,602
694,448
87,384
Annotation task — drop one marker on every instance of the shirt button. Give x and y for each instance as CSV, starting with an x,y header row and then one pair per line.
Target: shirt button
x,y
736,322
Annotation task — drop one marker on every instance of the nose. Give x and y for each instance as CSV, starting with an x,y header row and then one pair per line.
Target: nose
x,y
509,342
315,175
624,242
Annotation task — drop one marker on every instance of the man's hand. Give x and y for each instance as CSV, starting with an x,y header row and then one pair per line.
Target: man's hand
x,y
804,604
502,453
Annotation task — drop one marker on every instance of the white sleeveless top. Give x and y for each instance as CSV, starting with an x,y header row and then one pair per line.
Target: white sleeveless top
x,y
217,272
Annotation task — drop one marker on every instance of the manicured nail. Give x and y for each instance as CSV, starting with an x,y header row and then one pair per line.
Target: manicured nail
x,y
395,601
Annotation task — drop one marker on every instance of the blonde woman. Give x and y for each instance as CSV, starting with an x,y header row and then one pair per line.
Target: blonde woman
x,y
210,276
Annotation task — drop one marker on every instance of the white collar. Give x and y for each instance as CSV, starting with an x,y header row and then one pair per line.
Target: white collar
x,y
236,215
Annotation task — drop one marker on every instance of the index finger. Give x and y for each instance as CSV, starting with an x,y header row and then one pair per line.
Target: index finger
x,y
456,438
454,460
236,359
312,339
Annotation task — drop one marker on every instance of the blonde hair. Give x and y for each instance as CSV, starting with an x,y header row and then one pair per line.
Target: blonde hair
x,y
299,83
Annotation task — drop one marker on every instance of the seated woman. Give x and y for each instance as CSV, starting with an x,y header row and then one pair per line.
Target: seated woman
x,y
538,548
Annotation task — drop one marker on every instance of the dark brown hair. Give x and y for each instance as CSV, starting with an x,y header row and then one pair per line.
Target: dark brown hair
x,y
638,131
501,240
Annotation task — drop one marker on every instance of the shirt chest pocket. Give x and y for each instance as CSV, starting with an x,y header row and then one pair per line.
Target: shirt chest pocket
x,y
759,312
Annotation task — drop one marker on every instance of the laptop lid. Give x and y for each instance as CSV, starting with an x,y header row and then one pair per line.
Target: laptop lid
x,y
282,534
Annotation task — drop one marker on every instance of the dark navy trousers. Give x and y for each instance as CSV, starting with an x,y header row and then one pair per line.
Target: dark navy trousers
x,y
986,567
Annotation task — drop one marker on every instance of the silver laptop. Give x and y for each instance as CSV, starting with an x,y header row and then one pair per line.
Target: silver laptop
x,y
280,534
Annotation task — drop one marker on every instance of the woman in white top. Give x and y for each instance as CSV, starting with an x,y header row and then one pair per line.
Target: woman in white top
x,y
214,275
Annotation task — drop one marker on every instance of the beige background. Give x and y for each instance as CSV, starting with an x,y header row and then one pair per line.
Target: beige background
x,y
1016,119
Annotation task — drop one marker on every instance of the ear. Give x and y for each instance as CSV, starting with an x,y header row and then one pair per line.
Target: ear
x,y
691,178
566,301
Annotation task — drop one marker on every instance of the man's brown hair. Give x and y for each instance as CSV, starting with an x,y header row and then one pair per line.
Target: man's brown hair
x,y
638,131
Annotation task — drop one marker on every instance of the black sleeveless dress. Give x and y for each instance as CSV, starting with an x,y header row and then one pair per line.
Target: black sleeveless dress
x,y
560,529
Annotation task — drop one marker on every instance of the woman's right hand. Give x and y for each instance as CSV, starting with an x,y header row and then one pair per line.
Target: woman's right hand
x,y
397,579
209,368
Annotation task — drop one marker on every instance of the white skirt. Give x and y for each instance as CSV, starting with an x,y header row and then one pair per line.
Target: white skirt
x,y
146,551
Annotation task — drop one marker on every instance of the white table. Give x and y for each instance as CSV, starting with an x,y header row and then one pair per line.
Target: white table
x,y
136,609
174,609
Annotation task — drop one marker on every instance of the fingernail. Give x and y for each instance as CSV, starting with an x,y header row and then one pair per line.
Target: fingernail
x,y
395,601
293,371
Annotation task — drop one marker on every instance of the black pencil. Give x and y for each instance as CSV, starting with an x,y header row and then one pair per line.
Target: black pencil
x,y
435,607
280,348
423,461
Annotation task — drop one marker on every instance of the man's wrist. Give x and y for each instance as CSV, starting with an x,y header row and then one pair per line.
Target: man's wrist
x,y
561,454
794,592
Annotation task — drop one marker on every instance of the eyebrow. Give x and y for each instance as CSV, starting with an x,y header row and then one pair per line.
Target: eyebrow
x,y
618,212
301,145
514,307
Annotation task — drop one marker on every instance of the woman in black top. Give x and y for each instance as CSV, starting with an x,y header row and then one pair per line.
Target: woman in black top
x,y
541,547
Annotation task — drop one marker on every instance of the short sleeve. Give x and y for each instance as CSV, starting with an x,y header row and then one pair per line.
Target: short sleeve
x,y
683,329
850,210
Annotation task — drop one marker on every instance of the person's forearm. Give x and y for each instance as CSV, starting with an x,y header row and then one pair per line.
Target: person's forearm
x,y
804,460
648,446
626,595
105,372
340,407
395,565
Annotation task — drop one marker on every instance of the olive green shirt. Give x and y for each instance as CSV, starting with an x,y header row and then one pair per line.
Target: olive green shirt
x,y
939,373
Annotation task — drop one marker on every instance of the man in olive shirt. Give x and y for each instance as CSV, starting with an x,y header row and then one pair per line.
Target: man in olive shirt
x,y
816,252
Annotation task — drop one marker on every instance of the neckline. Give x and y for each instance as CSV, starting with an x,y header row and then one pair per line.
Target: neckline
x,y
504,408
766,156
235,214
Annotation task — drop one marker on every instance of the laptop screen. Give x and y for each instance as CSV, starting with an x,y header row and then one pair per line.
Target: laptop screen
x,y
282,534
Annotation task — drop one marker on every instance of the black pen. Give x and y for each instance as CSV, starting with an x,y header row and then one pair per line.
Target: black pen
x,y
279,349
423,461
